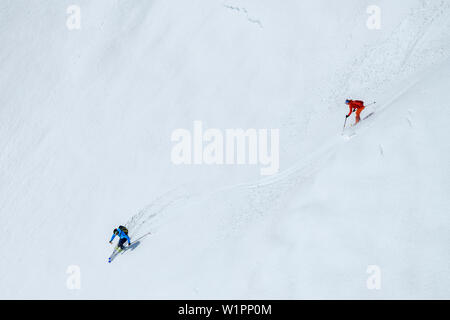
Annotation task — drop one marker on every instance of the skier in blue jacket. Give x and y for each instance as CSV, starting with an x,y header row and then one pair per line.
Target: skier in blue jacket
x,y
122,233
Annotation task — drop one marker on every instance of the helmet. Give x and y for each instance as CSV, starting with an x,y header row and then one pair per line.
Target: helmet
x,y
116,232
347,101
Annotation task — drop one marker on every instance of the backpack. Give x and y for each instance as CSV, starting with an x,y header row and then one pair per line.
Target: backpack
x,y
124,229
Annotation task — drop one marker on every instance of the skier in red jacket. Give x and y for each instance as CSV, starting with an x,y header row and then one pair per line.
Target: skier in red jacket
x,y
357,105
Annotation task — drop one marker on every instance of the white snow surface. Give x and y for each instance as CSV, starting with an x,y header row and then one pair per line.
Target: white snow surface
x,y
86,118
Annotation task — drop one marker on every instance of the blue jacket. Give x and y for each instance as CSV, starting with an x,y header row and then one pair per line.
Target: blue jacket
x,y
121,235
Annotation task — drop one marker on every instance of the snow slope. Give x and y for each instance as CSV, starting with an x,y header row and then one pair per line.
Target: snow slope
x,y
87,115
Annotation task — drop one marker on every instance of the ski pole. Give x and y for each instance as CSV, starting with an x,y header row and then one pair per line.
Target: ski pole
x,y
371,103
344,124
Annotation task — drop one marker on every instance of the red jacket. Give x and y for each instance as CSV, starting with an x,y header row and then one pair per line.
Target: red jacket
x,y
355,104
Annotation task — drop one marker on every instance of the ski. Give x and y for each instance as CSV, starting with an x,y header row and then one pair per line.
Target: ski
x,y
356,124
116,251
368,115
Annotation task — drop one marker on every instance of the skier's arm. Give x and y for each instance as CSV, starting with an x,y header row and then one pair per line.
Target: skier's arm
x,y
350,107
112,238
128,238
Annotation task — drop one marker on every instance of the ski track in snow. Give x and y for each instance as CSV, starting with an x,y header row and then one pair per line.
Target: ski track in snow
x,y
152,216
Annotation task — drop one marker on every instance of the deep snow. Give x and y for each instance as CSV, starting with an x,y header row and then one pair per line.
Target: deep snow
x,y
87,116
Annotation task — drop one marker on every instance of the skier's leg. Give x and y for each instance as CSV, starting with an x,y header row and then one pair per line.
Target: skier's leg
x,y
358,114
121,242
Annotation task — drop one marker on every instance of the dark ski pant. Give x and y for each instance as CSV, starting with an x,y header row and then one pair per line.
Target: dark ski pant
x,y
121,242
